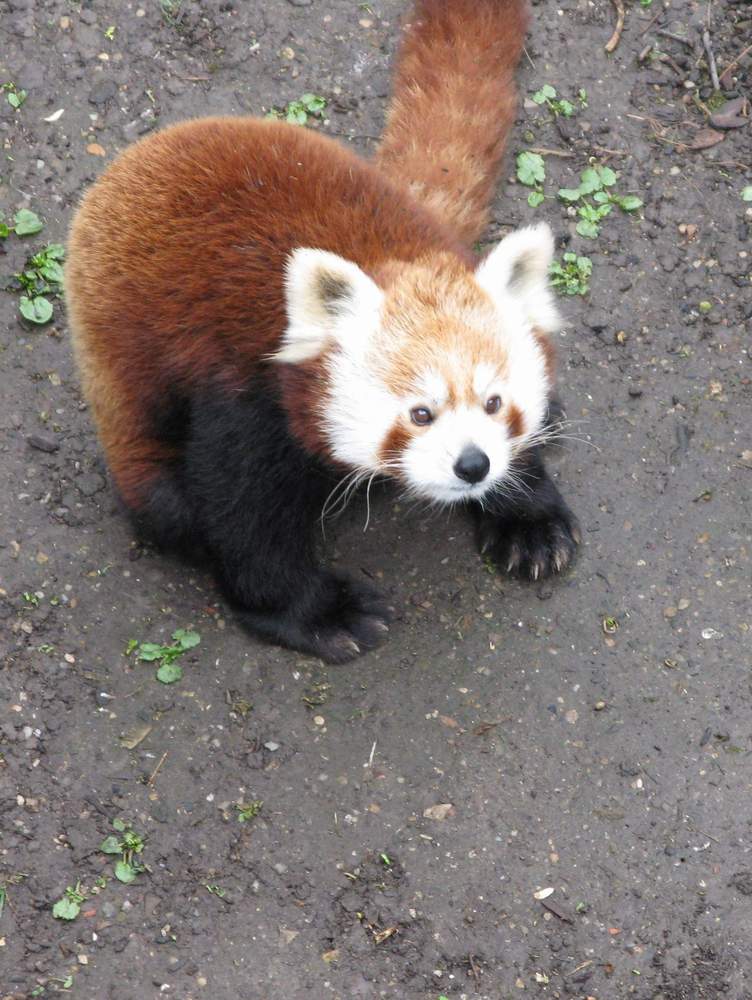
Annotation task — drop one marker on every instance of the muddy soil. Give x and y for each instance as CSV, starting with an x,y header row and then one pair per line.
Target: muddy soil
x,y
590,735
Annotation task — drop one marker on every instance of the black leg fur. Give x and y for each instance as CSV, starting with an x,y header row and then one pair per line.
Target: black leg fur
x,y
534,533
257,497
167,520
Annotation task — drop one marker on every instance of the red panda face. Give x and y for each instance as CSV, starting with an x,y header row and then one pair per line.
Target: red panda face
x,y
439,378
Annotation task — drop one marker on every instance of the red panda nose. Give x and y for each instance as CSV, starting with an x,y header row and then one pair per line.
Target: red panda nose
x,y
472,465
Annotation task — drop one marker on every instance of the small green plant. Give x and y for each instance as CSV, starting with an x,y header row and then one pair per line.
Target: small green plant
x,y
168,670
171,10
69,906
531,171
109,33
13,95
41,277
298,112
249,810
747,193
571,276
386,860
215,890
646,3
557,105
31,599
128,845
595,182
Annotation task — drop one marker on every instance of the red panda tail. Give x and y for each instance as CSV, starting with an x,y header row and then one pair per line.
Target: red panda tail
x,y
453,104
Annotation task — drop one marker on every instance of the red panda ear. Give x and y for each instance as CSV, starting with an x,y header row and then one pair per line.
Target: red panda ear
x,y
518,267
328,299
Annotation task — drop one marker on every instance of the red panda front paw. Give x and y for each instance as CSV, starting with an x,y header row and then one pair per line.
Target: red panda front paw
x,y
531,548
352,620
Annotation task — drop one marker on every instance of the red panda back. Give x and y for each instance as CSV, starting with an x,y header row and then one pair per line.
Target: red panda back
x,y
176,262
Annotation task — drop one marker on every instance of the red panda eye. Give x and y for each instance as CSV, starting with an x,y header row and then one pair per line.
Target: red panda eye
x,y
493,404
421,416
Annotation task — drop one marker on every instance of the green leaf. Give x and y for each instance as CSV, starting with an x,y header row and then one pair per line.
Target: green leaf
x,y
546,93
313,103
590,181
37,310
5,229
588,229
747,193
296,113
168,673
601,197
569,194
585,266
565,108
52,271
531,169
119,825
110,845
535,198
125,872
27,222
66,909
607,176
186,640
630,203
54,251
150,651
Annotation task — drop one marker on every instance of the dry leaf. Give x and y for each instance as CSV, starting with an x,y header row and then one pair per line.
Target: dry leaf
x,y
447,720
439,811
706,138
131,739
543,893
95,149
380,936
331,956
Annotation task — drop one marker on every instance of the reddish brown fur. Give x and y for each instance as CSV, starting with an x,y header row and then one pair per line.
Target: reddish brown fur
x,y
515,420
434,302
395,443
175,268
454,103
548,348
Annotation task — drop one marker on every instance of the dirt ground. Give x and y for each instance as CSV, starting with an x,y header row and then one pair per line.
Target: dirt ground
x,y
592,735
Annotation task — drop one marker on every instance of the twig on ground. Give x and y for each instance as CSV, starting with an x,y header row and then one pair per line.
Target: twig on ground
x,y
711,59
542,151
735,62
615,38
652,20
155,772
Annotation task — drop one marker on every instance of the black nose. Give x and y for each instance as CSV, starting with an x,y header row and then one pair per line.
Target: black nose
x,y
472,465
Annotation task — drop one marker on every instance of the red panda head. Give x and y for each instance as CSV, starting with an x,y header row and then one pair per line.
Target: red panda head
x,y
437,375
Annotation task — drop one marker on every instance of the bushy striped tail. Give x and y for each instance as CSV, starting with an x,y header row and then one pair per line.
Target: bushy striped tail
x,y
453,105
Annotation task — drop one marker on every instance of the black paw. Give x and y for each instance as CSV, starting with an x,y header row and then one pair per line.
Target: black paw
x,y
337,620
533,549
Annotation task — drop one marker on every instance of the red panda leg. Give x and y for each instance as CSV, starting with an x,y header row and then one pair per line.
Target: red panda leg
x,y
258,498
533,534
148,477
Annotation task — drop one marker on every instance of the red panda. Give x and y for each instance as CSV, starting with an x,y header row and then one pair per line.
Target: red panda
x,y
258,313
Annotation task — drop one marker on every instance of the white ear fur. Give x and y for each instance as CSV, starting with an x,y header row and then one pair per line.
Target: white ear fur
x,y
322,291
518,266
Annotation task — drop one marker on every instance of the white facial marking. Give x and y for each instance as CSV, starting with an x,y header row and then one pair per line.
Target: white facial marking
x,y
483,380
429,459
431,389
